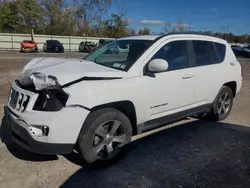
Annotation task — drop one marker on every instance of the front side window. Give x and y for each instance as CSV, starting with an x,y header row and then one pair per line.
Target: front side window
x,y
119,54
175,53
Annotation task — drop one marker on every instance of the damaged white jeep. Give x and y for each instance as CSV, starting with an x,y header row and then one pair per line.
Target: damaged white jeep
x,y
95,105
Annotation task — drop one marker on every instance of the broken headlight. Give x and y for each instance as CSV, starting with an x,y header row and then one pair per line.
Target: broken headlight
x,y
51,100
51,96
42,81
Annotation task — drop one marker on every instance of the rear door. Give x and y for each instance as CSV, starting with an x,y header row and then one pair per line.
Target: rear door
x,y
209,70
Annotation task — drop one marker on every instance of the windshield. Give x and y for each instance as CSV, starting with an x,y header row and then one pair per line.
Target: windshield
x,y
119,54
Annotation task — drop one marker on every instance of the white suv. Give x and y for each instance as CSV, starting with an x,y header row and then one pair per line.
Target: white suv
x,y
95,105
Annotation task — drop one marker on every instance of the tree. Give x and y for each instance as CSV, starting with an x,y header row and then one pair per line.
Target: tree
x,y
175,27
144,31
53,14
30,15
248,39
116,26
67,21
88,12
167,28
179,26
132,32
208,32
9,17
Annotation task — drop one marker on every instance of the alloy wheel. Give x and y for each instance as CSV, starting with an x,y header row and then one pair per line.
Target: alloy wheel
x,y
224,103
108,139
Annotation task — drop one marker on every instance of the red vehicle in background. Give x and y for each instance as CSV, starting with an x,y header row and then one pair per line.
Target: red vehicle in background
x,y
29,46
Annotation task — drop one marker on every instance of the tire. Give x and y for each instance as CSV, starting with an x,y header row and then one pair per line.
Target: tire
x,y
97,131
216,114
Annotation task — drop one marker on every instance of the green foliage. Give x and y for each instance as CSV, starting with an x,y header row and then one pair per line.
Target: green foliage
x,y
116,26
132,32
58,18
30,15
9,17
88,13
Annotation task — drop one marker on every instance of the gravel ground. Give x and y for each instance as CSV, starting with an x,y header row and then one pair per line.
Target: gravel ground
x,y
192,154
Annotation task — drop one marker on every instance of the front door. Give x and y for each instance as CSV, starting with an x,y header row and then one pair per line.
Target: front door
x,y
171,91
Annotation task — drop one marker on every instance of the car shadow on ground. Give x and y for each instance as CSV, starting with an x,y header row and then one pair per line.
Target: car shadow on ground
x,y
17,151
196,154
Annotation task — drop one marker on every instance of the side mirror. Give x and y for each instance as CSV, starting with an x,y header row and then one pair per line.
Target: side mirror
x,y
158,65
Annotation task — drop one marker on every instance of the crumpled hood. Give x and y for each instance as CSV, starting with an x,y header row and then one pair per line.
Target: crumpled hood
x,y
67,69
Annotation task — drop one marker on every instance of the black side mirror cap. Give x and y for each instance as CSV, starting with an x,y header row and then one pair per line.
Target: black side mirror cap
x,y
149,74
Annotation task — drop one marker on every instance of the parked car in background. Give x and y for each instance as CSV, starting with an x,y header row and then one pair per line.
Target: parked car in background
x,y
238,50
247,48
29,46
87,46
104,42
53,46
241,51
95,105
101,42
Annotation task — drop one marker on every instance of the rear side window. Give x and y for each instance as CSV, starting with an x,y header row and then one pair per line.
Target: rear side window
x,y
208,53
221,49
202,54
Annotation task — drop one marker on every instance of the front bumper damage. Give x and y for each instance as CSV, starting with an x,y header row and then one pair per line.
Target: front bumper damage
x,y
23,138
61,139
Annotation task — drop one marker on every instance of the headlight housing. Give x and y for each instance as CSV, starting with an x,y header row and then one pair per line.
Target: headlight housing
x,y
51,100
42,81
51,96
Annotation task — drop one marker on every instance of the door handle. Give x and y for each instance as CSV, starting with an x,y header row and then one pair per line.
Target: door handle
x,y
187,76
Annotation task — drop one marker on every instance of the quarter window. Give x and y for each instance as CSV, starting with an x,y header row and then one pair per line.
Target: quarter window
x,y
175,53
213,56
207,53
221,48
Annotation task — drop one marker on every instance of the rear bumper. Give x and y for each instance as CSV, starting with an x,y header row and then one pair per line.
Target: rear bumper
x,y
23,138
54,49
25,49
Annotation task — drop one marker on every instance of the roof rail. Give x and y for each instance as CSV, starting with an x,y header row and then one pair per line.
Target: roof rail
x,y
184,33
